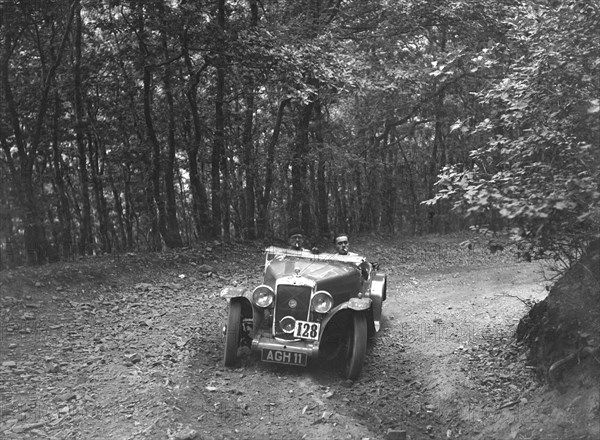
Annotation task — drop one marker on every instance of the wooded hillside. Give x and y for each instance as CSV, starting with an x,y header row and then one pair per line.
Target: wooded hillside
x,y
139,125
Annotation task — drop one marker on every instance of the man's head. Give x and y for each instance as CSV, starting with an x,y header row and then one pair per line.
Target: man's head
x,y
296,238
341,243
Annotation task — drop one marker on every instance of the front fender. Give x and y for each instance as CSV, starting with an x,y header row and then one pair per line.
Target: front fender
x,y
356,304
378,293
235,292
244,296
359,304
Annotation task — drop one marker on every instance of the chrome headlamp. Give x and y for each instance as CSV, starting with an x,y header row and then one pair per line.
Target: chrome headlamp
x,y
288,324
263,296
321,302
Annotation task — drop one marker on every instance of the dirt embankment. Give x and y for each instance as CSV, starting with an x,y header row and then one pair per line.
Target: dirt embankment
x,y
567,322
131,348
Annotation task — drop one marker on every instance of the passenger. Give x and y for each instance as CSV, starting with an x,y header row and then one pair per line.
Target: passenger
x,y
342,244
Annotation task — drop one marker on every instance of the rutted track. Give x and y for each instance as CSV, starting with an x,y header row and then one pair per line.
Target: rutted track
x,y
141,356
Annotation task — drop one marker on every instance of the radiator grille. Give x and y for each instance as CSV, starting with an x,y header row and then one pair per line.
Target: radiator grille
x,y
285,293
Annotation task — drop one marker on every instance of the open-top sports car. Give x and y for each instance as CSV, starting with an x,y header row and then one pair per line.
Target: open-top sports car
x,y
309,306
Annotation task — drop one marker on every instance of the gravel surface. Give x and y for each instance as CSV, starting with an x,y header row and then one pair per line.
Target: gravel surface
x,y
131,348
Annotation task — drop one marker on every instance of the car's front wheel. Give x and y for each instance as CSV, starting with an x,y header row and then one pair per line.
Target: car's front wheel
x,y
356,346
233,334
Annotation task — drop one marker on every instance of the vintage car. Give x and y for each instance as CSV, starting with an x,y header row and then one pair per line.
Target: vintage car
x,y
309,306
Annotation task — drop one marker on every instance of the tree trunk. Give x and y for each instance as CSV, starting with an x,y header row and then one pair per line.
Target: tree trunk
x,y
389,190
265,199
248,145
64,215
9,254
118,208
340,212
36,243
186,225
322,195
199,198
355,204
173,236
153,237
299,210
86,238
129,210
216,163
155,169
220,195
200,206
413,215
249,165
101,206
197,187
440,116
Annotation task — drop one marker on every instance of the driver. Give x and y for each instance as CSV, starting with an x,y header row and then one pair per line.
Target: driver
x,y
296,239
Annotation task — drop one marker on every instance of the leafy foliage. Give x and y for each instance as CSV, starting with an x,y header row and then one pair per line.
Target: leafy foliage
x,y
539,166
142,125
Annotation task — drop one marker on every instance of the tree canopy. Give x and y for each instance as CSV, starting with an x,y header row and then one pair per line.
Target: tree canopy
x,y
130,124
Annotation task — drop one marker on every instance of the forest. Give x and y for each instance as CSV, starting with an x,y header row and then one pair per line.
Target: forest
x,y
129,125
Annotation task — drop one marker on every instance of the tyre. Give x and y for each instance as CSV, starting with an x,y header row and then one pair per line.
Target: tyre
x,y
333,341
356,346
232,334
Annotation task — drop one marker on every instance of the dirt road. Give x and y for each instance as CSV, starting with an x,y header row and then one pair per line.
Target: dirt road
x,y
440,368
140,355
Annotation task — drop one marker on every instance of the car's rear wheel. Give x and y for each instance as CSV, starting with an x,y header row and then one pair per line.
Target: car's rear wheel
x,y
233,334
356,346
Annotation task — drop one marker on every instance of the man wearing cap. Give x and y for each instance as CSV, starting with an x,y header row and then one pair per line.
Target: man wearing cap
x,y
296,239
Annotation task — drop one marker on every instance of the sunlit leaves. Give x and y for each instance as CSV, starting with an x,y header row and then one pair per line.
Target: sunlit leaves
x,y
539,167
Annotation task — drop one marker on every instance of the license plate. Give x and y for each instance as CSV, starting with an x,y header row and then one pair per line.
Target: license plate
x,y
283,357
307,330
